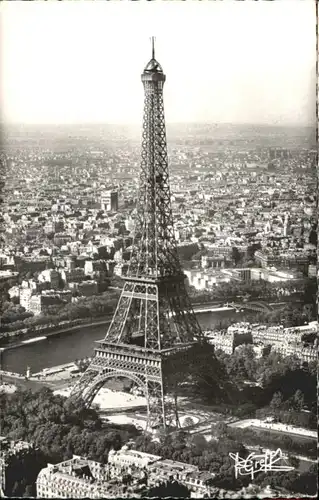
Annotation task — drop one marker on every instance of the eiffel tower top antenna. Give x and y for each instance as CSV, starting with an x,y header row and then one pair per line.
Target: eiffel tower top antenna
x,y
153,47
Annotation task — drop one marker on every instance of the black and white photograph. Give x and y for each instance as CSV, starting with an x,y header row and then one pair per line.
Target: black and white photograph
x,y
158,257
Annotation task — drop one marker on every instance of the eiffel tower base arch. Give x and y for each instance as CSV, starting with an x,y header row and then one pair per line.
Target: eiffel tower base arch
x,y
156,373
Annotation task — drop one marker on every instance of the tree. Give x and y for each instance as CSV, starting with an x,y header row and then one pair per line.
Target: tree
x,y
298,400
307,482
220,430
16,489
293,461
188,422
246,409
276,401
198,442
29,491
171,489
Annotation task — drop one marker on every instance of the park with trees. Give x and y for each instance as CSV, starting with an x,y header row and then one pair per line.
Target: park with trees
x,y
58,428
244,385
271,382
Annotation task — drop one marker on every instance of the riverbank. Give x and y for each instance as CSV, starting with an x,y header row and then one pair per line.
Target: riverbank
x,y
43,334
55,377
38,336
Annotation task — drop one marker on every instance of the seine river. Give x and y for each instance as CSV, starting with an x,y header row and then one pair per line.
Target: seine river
x,y
76,344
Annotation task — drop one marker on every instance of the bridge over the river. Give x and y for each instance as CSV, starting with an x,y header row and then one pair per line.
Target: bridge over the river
x,y
258,306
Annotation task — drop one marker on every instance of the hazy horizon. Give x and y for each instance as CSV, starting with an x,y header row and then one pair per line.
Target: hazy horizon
x,y
227,63
169,123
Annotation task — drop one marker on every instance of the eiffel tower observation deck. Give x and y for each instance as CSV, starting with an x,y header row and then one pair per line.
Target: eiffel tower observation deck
x,y
154,304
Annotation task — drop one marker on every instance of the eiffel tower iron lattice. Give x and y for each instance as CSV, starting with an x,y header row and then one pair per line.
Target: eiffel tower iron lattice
x,y
154,303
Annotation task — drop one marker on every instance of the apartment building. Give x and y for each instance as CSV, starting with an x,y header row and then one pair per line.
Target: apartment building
x,y
83,478
74,478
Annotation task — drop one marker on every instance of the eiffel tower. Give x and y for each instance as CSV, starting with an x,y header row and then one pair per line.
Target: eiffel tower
x,y
154,304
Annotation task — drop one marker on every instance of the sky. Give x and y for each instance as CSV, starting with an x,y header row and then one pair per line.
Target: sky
x,y
225,61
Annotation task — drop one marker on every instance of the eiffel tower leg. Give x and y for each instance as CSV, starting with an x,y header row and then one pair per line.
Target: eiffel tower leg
x,y
162,407
81,388
156,414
